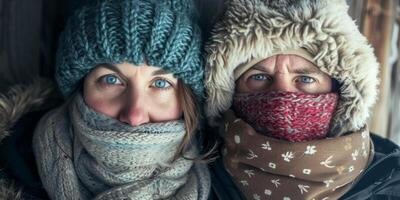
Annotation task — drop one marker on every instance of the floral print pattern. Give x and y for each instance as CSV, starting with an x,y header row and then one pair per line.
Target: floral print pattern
x,y
269,168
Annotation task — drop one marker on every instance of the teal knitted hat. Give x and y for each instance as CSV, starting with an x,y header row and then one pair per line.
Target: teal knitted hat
x,y
160,33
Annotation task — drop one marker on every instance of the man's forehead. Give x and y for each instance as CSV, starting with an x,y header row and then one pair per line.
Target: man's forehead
x,y
289,63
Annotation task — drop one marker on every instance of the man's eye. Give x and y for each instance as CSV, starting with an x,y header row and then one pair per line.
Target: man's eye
x,y
110,79
161,84
306,79
259,77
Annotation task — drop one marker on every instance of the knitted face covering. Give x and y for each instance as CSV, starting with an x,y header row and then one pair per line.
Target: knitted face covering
x,y
287,115
83,154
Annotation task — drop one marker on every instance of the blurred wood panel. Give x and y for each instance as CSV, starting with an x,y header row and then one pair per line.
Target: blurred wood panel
x,y
20,23
29,33
377,26
356,10
395,90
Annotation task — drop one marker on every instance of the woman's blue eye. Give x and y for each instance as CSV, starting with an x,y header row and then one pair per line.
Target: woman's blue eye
x,y
306,79
259,77
111,79
161,83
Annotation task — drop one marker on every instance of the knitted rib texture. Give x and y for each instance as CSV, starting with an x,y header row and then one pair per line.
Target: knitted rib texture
x,y
83,154
157,33
291,116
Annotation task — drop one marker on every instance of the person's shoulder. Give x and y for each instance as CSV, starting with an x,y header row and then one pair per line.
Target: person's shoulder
x,y
21,107
384,145
222,186
381,180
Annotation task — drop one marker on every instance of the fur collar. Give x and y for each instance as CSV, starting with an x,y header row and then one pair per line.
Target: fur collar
x,y
19,100
250,29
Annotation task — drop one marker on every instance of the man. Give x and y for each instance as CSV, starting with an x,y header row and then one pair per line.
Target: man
x,y
291,84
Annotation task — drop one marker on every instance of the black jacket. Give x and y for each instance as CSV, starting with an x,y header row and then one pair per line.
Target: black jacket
x,y
17,159
381,180
20,110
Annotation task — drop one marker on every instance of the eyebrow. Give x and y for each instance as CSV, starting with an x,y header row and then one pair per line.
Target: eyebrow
x,y
159,72
111,67
260,68
115,69
307,71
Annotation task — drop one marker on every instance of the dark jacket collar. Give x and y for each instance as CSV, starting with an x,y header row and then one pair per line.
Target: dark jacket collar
x,y
382,177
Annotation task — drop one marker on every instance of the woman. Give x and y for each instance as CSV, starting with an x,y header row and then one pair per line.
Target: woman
x,y
131,72
291,84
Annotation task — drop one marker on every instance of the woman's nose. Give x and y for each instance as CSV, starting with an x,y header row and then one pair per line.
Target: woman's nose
x,y
134,112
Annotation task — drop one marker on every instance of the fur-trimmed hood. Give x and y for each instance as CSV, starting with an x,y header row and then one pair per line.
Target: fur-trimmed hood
x,y
21,99
18,101
254,29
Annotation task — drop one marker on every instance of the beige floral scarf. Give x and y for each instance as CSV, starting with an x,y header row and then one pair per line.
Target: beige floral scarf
x,y
267,168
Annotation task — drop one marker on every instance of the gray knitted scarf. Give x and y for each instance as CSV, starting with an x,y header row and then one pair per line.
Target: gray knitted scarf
x,y
83,154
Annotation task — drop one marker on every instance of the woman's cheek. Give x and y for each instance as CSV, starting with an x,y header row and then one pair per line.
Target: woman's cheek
x,y
101,105
168,107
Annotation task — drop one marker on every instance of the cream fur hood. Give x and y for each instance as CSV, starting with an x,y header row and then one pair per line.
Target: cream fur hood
x,y
254,29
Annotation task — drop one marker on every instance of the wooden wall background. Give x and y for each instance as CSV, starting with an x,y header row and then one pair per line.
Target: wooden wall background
x,y
28,37
29,32
20,24
379,22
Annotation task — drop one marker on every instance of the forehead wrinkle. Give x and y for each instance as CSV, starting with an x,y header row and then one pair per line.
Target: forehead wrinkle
x,y
309,70
294,67
267,65
299,65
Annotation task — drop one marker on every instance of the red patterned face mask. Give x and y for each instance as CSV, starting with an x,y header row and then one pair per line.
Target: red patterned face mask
x,y
290,116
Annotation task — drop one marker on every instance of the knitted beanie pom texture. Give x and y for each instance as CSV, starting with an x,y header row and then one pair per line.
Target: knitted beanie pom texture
x,y
160,33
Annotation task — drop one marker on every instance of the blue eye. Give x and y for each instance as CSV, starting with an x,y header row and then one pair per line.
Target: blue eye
x,y
306,79
259,77
111,79
161,83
